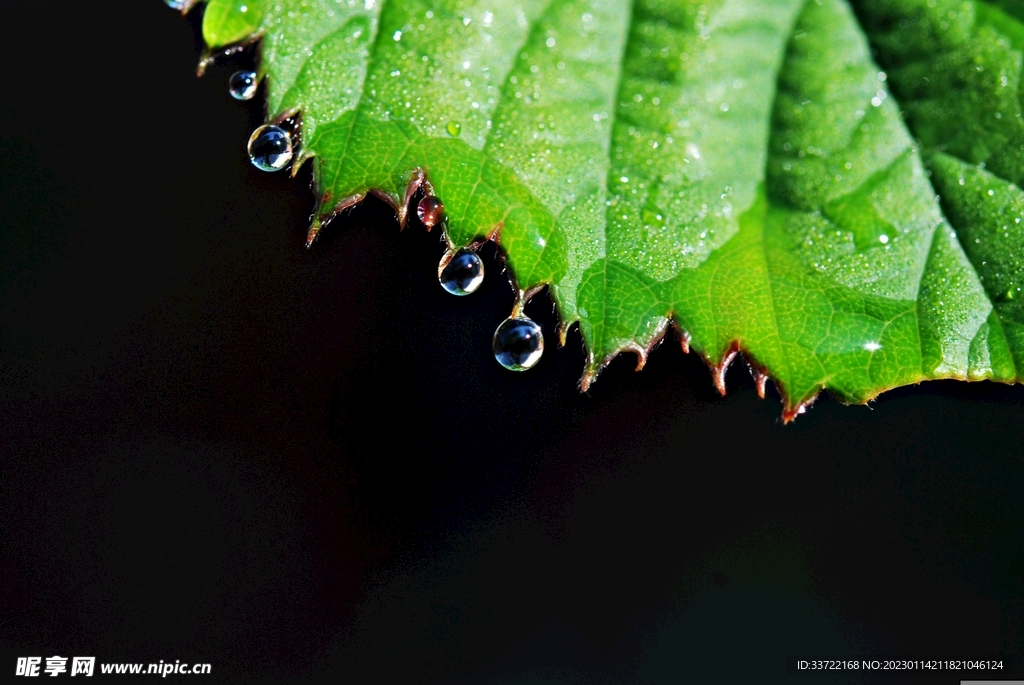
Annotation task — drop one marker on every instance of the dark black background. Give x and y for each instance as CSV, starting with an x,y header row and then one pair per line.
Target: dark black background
x,y
305,465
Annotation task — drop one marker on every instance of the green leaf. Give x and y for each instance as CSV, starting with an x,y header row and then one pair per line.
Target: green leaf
x,y
232,21
741,169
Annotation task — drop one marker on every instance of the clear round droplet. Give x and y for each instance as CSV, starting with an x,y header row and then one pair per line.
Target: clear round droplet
x,y
430,210
462,274
518,344
454,128
270,148
242,85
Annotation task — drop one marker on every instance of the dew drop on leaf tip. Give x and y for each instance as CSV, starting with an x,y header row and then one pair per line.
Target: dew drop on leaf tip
x,y
454,128
242,85
430,211
270,148
461,273
518,344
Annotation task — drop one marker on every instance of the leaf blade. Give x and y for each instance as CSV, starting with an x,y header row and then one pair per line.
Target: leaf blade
x,y
738,168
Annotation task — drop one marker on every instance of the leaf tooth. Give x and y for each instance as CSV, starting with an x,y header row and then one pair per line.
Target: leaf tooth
x,y
684,336
588,377
656,339
791,412
760,378
322,218
301,158
592,369
314,231
563,330
718,370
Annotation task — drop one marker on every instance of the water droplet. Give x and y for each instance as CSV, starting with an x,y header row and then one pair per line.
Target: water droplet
x,y
1011,294
242,85
461,273
175,4
430,210
454,128
518,344
270,148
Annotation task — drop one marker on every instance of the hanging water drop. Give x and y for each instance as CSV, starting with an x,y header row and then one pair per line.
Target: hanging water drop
x,y
175,4
461,273
242,85
430,210
518,344
454,128
270,148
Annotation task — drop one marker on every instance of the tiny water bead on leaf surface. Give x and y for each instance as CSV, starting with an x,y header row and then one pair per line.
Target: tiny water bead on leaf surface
x,y
461,273
242,85
270,148
518,344
430,211
454,128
